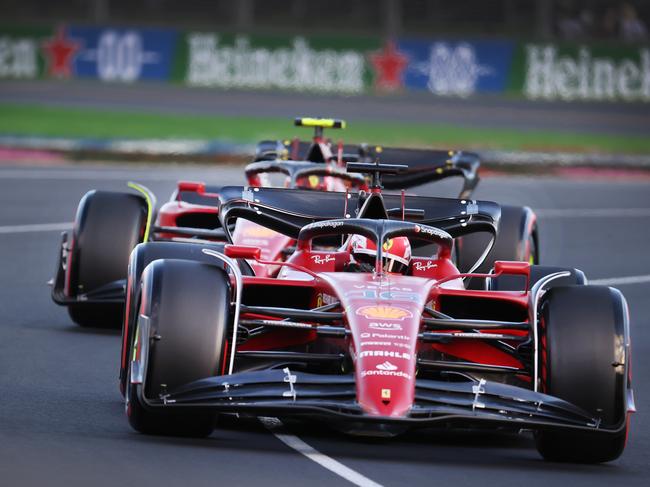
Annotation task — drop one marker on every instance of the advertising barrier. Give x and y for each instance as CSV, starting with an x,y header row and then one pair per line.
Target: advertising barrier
x,y
287,63
20,53
329,64
113,54
457,68
572,72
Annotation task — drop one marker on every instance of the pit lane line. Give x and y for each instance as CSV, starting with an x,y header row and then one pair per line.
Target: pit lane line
x,y
38,227
276,427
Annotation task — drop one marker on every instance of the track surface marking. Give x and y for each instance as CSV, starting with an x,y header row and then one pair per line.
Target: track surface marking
x,y
276,427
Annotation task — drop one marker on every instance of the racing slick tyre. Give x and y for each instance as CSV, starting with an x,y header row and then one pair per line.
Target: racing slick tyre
x,y
141,257
583,360
537,272
108,225
188,304
517,240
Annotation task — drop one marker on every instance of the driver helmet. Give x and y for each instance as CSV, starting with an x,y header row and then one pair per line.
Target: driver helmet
x,y
396,252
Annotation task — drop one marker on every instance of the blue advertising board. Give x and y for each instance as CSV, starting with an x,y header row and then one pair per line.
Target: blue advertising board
x,y
123,54
458,68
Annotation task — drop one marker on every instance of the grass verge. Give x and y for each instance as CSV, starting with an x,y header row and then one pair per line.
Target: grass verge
x,y
18,119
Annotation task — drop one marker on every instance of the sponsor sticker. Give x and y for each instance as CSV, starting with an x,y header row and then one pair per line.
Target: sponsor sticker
x,y
385,353
430,231
328,224
386,366
384,312
385,326
386,373
422,266
386,336
322,259
375,344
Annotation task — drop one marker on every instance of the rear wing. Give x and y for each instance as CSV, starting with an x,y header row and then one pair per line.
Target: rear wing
x,y
288,210
425,165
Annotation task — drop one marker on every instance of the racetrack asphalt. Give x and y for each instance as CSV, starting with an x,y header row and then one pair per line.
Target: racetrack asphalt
x,y
61,416
475,112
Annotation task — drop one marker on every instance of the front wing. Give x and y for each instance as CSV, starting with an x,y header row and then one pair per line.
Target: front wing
x,y
284,393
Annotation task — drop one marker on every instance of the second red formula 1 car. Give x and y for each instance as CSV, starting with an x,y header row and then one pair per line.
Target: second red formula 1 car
x,y
356,331
91,275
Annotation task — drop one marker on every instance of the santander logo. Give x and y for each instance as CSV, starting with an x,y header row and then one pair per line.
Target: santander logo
x,y
387,366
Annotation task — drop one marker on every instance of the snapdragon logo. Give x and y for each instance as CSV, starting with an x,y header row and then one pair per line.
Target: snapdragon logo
x,y
585,77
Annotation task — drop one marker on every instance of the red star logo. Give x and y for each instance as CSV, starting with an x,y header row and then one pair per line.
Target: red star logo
x,y
60,52
389,64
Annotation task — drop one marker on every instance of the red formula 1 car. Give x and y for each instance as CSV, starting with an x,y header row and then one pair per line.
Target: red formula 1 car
x,y
91,275
371,347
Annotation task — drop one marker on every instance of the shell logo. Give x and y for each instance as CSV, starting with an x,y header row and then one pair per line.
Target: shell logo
x,y
384,312
259,231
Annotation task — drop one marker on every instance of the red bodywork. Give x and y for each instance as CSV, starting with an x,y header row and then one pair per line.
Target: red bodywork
x,y
384,315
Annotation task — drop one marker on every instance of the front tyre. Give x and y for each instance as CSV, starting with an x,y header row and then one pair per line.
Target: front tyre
x,y
584,360
188,304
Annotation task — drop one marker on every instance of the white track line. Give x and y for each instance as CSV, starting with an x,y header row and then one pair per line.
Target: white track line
x,y
153,174
38,227
276,427
592,212
620,281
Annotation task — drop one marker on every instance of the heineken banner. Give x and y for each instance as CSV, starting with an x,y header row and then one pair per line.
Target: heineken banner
x,y
287,63
561,72
328,64
20,53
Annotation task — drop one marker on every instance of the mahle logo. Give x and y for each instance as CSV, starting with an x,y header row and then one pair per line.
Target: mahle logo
x,y
585,77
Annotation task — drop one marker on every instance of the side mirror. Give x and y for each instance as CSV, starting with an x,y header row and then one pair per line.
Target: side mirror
x,y
512,267
191,186
243,252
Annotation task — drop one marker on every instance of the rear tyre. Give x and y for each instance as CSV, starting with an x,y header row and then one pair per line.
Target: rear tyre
x,y
583,360
188,304
516,240
107,227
